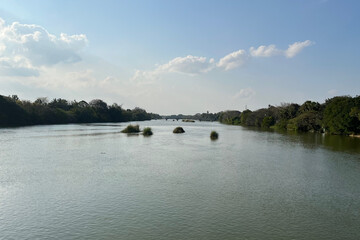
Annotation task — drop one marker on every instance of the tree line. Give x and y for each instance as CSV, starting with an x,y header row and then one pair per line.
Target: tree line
x,y
16,112
199,116
338,115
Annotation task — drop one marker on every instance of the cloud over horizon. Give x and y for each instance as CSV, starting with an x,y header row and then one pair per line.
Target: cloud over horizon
x,y
28,49
25,48
194,65
297,47
233,60
271,50
190,65
244,93
32,58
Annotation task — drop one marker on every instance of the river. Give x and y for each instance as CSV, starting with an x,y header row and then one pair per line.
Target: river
x,y
89,181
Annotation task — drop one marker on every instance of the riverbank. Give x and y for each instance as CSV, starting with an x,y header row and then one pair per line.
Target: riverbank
x,y
15,112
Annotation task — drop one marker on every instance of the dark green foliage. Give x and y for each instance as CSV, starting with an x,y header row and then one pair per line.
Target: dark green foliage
x,y
116,113
310,106
179,130
355,112
207,116
14,112
267,122
289,110
281,124
11,114
245,114
199,116
307,122
147,132
256,118
230,117
340,115
131,129
60,103
83,114
41,101
98,104
214,135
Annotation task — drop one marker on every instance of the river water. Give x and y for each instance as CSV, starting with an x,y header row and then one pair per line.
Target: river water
x,y
92,182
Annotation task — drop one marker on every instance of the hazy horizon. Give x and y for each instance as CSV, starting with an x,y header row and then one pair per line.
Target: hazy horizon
x,y
180,57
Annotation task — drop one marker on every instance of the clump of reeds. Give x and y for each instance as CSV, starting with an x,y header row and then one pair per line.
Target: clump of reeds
x,y
147,131
214,135
179,130
131,129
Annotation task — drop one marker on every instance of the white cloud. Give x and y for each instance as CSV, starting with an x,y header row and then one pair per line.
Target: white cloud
x,y
17,66
187,65
193,65
296,48
26,47
264,51
244,93
271,50
233,60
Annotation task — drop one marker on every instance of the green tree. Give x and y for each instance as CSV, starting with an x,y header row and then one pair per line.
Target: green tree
x,y
355,112
267,122
310,106
244,115
339,116
11,114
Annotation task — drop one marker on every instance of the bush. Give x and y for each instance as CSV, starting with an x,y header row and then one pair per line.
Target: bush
x,y
214,135
230,117
147,132
178,130
131,129
307,122
339,117
267,122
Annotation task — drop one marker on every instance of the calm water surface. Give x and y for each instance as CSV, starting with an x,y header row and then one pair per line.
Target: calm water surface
x,y
93,182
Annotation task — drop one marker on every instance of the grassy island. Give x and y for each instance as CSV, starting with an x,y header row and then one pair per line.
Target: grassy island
x,y
179,130
131,129
214,135
147,132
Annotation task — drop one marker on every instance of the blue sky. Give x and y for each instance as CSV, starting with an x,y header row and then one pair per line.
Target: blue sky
x,y
181,56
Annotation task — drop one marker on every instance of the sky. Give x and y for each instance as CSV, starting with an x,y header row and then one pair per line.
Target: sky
x,y
173,57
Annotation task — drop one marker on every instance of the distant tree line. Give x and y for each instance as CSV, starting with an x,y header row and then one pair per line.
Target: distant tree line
x,y
16,112
338,115
199,116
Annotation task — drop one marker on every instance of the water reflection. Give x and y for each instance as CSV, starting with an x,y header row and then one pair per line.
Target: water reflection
x,y
66,182
313,140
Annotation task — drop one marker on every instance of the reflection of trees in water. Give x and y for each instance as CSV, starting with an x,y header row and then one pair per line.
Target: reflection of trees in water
x,y
331,142
309,140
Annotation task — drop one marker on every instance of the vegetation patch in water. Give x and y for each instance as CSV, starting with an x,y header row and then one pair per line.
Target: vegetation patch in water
x,y
188,120
179,130
214,135
131,129
147,131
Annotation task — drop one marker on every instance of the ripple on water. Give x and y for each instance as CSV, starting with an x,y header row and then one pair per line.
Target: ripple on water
x,y
92,182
